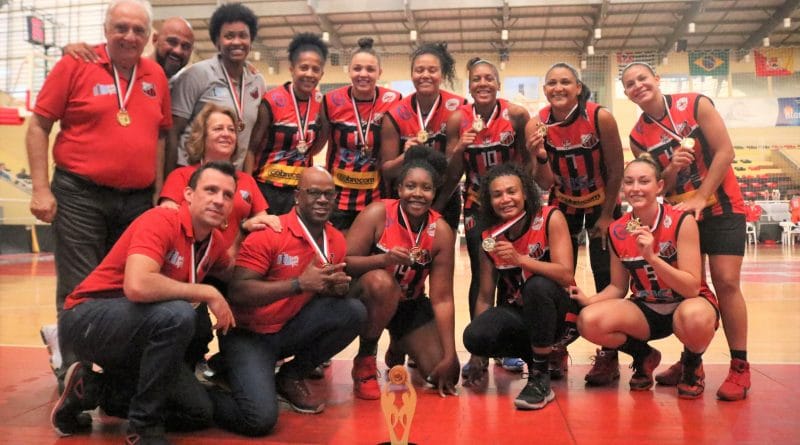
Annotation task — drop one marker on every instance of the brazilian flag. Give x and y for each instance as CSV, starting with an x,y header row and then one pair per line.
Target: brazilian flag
x,y
708,63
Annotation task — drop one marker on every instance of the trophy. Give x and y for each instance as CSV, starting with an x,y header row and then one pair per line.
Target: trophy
x,y
398,402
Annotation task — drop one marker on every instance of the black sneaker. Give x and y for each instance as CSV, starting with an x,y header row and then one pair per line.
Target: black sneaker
x,y
80,394
138,439
536,393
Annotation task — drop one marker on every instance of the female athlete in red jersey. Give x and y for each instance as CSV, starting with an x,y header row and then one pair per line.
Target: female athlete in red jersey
x,y
655,252
686,135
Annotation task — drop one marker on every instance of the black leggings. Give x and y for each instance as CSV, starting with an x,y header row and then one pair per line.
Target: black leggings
x,y
599,259
510,330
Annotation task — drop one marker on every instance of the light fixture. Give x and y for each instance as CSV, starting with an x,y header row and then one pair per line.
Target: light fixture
x,y
345,69
691,28
590,50
271,70
765,42
665,60
326,37
412,35
598,33
787,22
747,57
583,64
504,35
256,55
502,66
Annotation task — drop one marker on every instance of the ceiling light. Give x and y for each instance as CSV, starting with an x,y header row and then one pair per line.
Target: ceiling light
x,y
590,50
502,66
326,37
598,33
504,35
256,55
765,41
271,70
787,22
691,28
583,64
412,35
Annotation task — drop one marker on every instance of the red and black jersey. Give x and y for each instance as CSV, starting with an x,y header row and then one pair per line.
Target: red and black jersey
x,y
494,145
405,119
353,166
576,159
645,284
395,234
650,137
533,243
279,163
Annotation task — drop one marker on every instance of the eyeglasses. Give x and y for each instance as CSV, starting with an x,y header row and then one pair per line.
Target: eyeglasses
x,y
315,194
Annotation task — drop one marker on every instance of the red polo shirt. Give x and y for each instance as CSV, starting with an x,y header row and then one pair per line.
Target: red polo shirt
x,y
91,142
162,234
279,257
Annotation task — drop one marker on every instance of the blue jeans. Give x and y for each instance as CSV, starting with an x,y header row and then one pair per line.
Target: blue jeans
x,y
324,326
141,346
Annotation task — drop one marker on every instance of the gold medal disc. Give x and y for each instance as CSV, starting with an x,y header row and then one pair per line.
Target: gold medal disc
x,y
687,143
123,118
302,147
240,126
542,130
477,124
632,225
422,136
488,244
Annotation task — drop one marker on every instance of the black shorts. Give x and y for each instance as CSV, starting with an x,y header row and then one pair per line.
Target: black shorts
x,y
661,324
280,199
723,235
410,315
343,219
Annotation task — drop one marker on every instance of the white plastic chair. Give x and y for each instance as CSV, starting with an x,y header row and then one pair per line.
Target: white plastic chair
x,y
752,236
788,231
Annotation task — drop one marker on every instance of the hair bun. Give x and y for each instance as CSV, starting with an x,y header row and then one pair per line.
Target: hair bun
x,y
366,42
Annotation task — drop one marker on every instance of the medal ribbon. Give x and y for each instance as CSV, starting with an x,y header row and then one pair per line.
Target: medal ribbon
x,y
672,132
237,98
424,125
302,125
364,135
658,218
322,253
569,115
414,241
499,231
491,116
122,102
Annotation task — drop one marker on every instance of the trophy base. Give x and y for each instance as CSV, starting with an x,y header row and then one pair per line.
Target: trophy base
x,y
389,443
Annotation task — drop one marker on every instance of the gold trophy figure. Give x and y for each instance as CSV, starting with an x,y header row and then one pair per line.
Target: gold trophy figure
x,y
398,401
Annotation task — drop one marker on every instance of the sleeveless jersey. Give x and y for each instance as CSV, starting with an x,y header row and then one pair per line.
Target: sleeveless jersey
x,y
406,121
279,163
354,169
493,145
576,159
650,137
645,284
533,243
410,278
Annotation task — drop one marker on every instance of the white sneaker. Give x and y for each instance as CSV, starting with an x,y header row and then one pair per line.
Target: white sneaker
x,y
49,335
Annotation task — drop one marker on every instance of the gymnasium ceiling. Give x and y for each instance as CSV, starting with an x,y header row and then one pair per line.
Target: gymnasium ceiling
x,y
475,26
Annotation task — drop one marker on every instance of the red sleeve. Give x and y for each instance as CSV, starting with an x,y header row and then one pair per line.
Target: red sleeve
x,y
54,95
166,103
259,204
175,183
153,235
256,252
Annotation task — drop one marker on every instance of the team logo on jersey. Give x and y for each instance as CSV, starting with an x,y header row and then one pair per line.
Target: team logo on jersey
x,y
377,117
149,89
537,223
619,232
338,99
452,104
667,222
403,113
175,258
389,96
318,96
507,137
287,260
279,100
588,140
667,249
431,229
254,93
682,103
535,251
505,114
245,195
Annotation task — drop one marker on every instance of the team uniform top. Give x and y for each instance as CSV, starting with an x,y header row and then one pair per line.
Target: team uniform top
x,y
166,237
204,82
395,234
91,143
494,145
279,257
651,138
247,202
353,166
645,285
576,159
533,243
405,119
794,207
278,162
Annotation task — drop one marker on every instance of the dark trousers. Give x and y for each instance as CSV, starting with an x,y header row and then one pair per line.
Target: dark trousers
x,y
511,330
472,235
147,341
599,259
280,199
324,326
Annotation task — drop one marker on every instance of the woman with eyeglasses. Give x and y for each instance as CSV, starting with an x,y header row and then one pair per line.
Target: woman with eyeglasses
x,y
393,247
285,138
686,135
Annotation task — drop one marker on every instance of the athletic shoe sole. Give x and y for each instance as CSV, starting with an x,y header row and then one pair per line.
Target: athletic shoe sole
x,y
64,395
523,405
298,409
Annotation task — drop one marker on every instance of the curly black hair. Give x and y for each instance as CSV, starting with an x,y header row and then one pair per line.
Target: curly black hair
x,y
533,198
306,41
231,13
438,50
424,157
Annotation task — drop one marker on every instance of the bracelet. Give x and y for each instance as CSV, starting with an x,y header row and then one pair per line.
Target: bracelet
x,y
541,160
296,289
242,228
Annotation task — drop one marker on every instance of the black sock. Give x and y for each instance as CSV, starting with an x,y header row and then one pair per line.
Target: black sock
x,y
540,362
367,346
740,354
692,359
636,348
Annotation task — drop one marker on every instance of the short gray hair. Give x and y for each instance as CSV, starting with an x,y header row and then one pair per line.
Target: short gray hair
x,y
145,5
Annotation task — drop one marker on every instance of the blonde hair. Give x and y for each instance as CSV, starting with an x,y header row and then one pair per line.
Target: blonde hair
x,y
196,144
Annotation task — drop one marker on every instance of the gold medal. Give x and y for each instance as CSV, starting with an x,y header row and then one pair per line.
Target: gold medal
x,y
477,124
415,254
488,244
422,136
542,130
688,143
123,118
302,147
632,225
240,126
